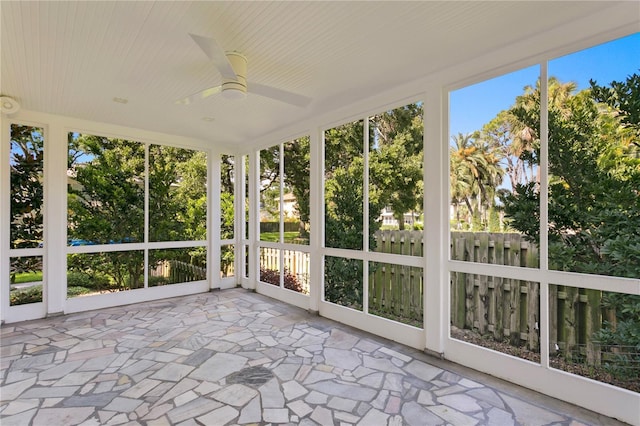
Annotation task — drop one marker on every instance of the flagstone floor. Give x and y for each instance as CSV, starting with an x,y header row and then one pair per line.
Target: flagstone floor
x,y
236,357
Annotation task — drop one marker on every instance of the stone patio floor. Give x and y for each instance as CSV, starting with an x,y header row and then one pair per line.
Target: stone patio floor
x,y
236,357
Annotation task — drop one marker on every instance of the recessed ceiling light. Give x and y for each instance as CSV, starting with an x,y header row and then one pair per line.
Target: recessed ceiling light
x,y
120,100
208,118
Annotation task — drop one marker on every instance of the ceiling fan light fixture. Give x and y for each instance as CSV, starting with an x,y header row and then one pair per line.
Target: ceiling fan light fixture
x,y
236,89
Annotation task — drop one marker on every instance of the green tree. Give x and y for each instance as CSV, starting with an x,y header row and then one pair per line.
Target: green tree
x,y
395,161
106,204
594,204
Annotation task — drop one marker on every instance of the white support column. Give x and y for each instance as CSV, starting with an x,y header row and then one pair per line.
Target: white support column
x,y
543,321
238,217
214,213
254,218
316,237
436,307
4,216
55,202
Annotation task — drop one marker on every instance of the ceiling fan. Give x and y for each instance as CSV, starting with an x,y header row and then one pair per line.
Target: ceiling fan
x,y
233,68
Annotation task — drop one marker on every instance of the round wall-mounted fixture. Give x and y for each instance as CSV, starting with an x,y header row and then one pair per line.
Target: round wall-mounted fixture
x,y
8,105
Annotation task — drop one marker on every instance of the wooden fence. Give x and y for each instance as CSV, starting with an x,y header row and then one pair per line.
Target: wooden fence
x,y
174,271
504,309
295,262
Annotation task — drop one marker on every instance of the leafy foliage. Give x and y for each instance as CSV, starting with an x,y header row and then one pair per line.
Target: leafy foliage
x,y
594,203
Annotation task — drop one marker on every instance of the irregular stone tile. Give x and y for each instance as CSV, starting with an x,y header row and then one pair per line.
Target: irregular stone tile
x,y
118,419
206,388
362,371
181,387
425,398
198,357
173,372
96,353
76,379
60,416
235,394
469,383
422,370
374,417
274,353
18,376
395,354
141,388
271,394
125,405
50,402
293,390
192,409
380,364
267,340
60,370
158,411
393,382
137,367
322,415
318,376
218,366
105,416
20,406
251,413
381,400
496,416
31,362
300,408
342,358
341,340
219,416
342,404
347,391
528,414
48,392
462,403
316,398
303,353
96,400
184,398
393,405
372,380
275,415
395,421
20,419
160,356
449,390
286,371
452,416
12,391
414,414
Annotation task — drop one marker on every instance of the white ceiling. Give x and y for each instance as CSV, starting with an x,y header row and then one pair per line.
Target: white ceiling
x,y
73,58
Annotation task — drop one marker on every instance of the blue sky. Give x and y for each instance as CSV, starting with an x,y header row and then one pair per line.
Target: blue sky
x,y
473,106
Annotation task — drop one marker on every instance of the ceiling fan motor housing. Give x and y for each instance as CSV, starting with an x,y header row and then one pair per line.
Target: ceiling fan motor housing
x,y
236,89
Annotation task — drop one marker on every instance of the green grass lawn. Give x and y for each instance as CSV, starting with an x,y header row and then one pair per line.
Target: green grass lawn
x,y
274,236
27,277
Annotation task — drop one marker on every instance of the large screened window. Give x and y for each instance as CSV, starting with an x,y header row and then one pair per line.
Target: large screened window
x,y
26,243
285,215
373,198
493,154
562,197
136,215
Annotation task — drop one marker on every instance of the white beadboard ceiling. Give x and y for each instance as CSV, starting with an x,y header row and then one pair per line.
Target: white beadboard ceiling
x,y
72,58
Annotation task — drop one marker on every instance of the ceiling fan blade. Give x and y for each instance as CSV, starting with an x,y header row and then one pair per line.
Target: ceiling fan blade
x,y
217,55
279,94
200,95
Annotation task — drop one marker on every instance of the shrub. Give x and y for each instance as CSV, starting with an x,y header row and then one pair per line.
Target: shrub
x,y
271,276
